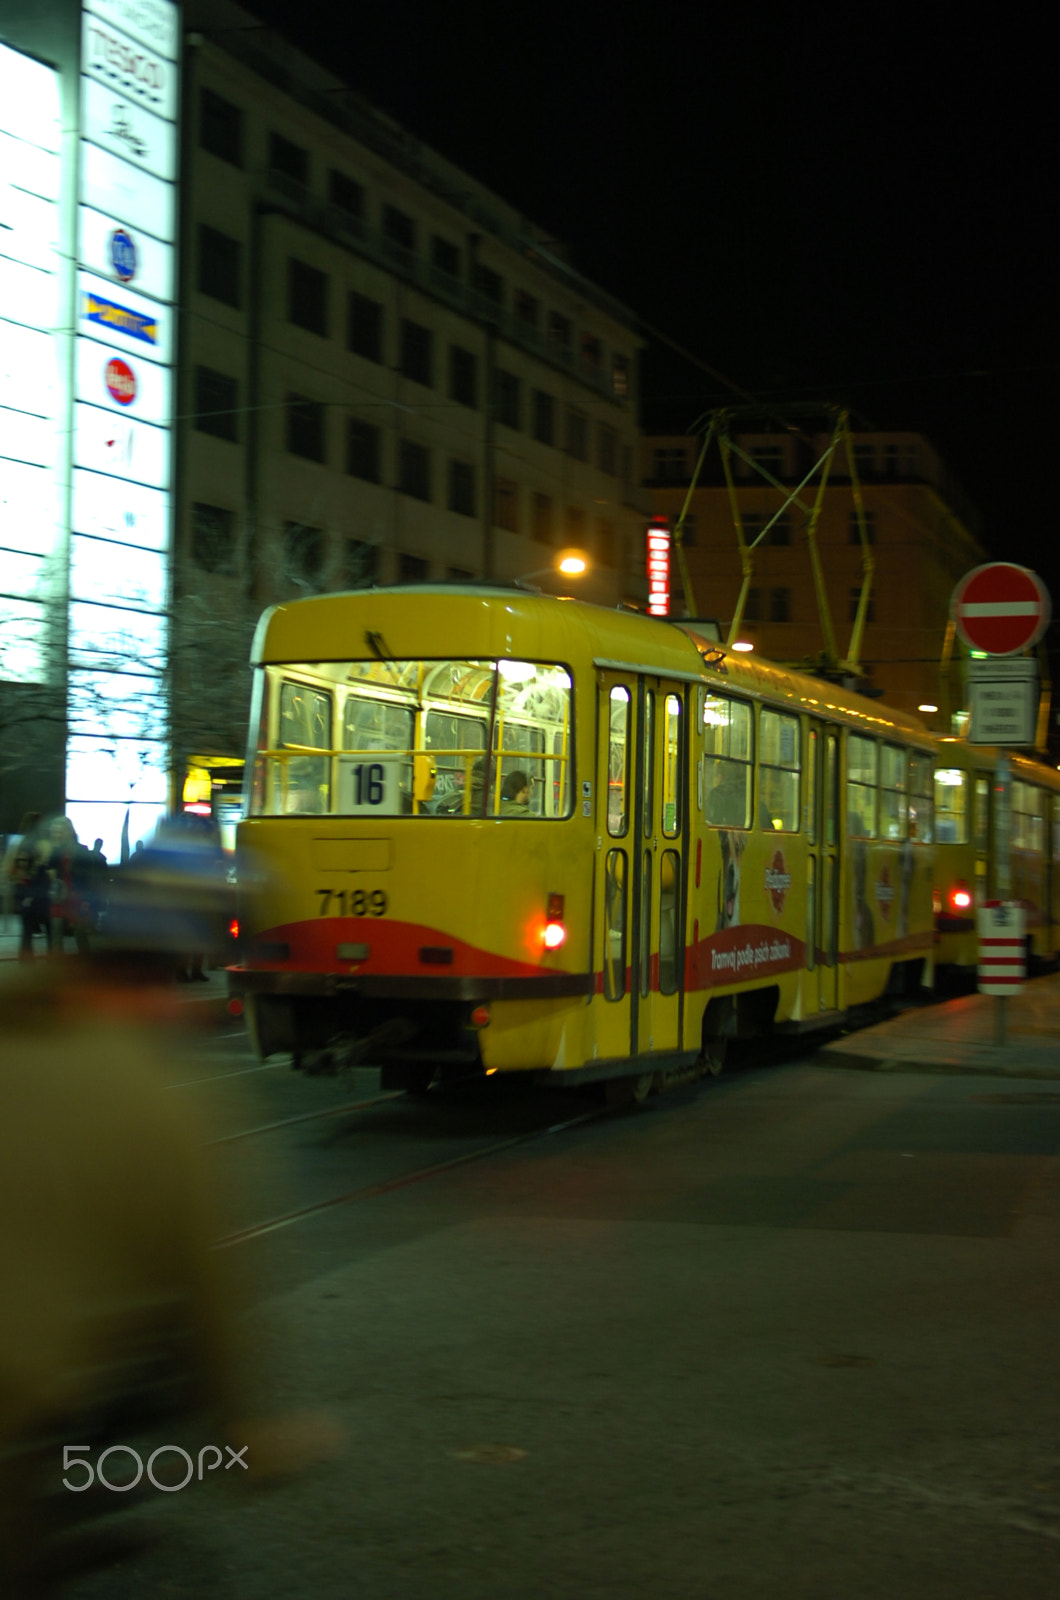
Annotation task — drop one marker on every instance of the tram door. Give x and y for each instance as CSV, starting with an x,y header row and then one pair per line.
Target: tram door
x,y
658,815
639,911
822,887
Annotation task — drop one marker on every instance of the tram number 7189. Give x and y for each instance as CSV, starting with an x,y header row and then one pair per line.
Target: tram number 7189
x,y
334,902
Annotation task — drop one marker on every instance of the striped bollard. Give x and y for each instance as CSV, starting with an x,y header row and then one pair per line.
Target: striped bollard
x,y
1002,930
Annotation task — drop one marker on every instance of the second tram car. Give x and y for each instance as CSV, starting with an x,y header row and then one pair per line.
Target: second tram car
x,y
966,833
490,830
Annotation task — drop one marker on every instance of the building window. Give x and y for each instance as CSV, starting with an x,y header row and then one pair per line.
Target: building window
x,y
445,257
870,614
669,464
289,159
780,605
506,398
891,461
865,460
620,374
346,195
305,427
307,297
213,539
412,569
399,228
607,543
576,443
219,266
416,352
303,555
505,504
752,611
592,353
768,458
575,526
489,283
542,524
216,404
462,488
360,563
607,450
414,470
559,331
221,127
363,450
527,309
365,333
544,417
854,531
780,532
463,377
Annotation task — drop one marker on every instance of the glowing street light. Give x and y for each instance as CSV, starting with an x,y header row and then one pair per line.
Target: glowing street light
x,y
571,564
743,645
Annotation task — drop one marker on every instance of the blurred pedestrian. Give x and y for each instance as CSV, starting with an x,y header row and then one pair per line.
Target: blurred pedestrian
x,y
27,873
69,870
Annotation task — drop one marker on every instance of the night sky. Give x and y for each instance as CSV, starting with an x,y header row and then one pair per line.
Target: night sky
x,y
851,205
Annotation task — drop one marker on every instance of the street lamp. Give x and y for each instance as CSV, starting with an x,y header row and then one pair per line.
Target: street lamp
x,y
571,564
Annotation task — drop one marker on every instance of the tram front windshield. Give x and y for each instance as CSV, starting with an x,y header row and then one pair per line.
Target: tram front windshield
x,y
413,738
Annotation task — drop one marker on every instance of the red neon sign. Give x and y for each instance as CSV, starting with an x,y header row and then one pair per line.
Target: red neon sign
x,y
659,568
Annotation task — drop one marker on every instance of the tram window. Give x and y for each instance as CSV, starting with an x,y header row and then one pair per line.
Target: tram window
x,y
951,805
811,786
778,772
669,921
671,795
305,720
382,729
1028,822
520,749
862,769
447,737
893,793
618,764
921,788
648,758
982,811
727,753
644,961
615,925
1056,827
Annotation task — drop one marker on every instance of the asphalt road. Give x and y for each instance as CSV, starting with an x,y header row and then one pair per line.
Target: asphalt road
x,y
790,1333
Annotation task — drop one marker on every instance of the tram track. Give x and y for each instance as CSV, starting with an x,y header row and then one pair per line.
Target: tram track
x,y
405,1180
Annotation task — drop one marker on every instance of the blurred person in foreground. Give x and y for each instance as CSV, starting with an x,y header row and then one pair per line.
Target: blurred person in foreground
x,y
118,1314
179,886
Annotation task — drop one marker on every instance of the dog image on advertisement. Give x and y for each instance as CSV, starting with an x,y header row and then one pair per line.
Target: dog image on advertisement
x,y
732,848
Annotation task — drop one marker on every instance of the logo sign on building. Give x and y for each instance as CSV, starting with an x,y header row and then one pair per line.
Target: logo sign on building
x,y
122,414
1000,608
659,567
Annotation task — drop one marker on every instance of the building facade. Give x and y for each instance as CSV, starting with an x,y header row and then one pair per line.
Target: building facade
x,y
920,533
387,374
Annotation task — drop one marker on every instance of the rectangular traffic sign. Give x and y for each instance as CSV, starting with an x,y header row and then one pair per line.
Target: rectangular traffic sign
x,y
1004,710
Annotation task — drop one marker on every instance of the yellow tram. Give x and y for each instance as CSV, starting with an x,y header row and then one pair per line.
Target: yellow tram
x,y
967,843
489,830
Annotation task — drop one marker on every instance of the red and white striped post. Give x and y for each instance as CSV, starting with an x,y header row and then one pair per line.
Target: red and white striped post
x,y
1002,954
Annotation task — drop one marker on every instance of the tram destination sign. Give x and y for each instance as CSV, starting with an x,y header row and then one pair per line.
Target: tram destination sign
x,y
1000,608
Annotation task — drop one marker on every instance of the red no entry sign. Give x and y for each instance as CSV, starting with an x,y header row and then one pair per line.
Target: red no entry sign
x,y
1000,608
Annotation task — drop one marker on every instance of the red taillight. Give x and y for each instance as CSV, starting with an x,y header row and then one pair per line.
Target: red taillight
x,y
233,928
235,1007
555,932
480,1017
960,898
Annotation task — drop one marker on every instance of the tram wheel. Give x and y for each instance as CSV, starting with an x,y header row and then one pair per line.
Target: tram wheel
x,y
418,1080
619,1092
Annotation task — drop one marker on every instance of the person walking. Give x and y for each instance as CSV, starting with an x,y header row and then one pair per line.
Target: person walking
x,y
29,878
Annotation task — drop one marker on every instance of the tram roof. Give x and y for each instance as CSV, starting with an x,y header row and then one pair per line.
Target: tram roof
x,y
438,620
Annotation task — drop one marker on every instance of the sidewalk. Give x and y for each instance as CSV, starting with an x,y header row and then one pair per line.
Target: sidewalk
x,y
958,1036
215,988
